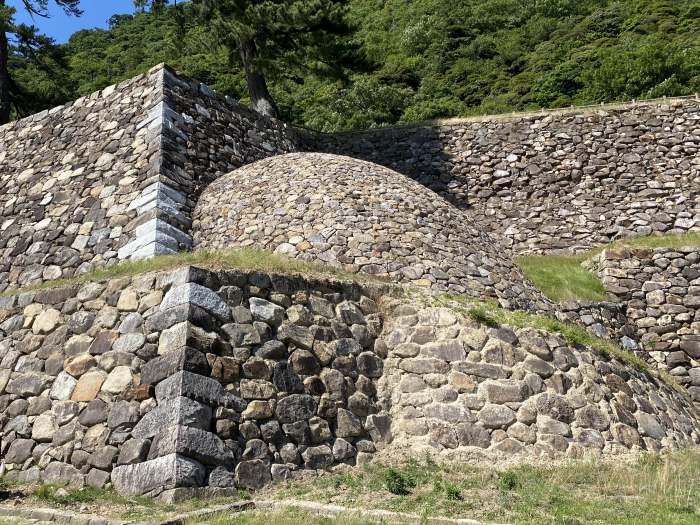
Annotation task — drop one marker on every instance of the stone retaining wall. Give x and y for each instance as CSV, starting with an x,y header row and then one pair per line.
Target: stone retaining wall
x,y
188,378
115,175
68,177
360,217
556,180
661,291
455,387
167,382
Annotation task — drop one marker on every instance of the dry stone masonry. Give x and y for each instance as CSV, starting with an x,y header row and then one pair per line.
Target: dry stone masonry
x,y
194,380
454,386
361,217
166,383
115,175
554,181
188,378
660,290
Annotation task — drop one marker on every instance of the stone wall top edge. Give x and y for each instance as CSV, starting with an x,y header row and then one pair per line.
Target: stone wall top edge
x,y
192,273
204,90
102,93
574,111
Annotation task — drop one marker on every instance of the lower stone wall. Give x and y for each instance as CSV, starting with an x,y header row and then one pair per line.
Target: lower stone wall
x,y
661,292
188,378
456,387
164,383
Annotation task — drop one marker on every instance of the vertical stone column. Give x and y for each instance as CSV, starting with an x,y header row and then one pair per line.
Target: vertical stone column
x,y
162,208
183,449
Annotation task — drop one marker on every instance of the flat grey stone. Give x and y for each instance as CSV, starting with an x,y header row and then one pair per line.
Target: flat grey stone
x,y
157,475
176,411
194,443
198,295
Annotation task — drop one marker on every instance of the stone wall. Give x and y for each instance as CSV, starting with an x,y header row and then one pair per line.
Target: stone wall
x,y
68,178
116,174
456,388
168,382
555,180
188,378
660,289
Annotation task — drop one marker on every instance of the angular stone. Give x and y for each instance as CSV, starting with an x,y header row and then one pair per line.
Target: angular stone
x,y
79,364
257,389
46,321
370,365
649,425
253,474
193,443
484,370
133,451
88,386
63,387
198,295
118,380
452,350
44,428
155,476
320,457
266,311
94,413
503,391
183,359
348,424
295,407
19,451
194,386
176,411
104,457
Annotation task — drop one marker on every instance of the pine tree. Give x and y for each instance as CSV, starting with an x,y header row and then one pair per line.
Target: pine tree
x,y
8,26
256,32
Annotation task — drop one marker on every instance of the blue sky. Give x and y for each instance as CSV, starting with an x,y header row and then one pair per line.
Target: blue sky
x,y
61,27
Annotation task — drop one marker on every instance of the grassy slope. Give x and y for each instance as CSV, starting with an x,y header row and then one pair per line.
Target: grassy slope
x,y
240,259
562,278
650,490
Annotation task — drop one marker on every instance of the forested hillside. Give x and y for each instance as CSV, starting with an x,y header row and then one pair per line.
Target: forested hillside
x,y
406,61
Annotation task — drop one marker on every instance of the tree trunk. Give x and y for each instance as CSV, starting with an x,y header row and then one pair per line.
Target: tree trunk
x,y
260,97
5,98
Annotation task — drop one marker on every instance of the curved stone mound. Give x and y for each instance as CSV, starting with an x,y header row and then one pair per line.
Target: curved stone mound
x,y
362,217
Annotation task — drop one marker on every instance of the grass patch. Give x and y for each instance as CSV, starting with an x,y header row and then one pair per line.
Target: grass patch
x,y
250,259
68,497
563,278
653,490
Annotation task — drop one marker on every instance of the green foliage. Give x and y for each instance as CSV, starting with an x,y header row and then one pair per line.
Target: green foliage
x,y
398,482
405,61
562,278
508,481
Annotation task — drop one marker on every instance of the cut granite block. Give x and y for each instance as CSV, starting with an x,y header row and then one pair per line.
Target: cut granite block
x,y
175,411
195,443
155,476
183,359
198,295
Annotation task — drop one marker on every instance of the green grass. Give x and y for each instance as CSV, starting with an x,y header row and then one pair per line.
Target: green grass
x,y
563,278
653,490
250,259
67,496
